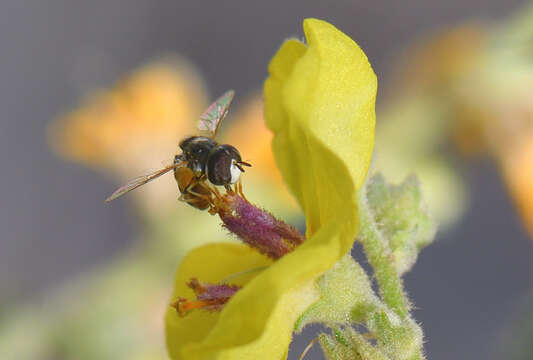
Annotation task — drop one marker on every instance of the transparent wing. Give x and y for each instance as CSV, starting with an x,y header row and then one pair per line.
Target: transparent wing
x,y
141,180
216,112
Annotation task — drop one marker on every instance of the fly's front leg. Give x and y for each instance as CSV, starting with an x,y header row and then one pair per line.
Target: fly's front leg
x,y
238,189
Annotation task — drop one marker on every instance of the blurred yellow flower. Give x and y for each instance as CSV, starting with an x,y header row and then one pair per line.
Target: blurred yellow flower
x,y
415,120
492,108
136,126
112,128
438,59
470,86
517,168
320,105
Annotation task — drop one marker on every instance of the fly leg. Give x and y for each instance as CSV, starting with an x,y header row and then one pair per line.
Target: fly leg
x,y
238,189
197,194
228,188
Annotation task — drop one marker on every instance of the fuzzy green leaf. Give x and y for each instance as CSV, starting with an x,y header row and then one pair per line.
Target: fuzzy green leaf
x,y
401,217
344,290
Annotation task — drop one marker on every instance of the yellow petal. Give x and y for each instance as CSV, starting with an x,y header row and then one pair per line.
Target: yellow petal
x,y
320,106
210,263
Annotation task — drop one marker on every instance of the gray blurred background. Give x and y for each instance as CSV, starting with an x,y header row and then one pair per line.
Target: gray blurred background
x,y
53,223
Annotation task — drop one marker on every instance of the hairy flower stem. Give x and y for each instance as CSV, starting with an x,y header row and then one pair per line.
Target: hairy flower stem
x,y
367,324
347,303
380,257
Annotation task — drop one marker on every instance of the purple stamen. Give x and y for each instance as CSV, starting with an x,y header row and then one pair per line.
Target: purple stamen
x,y
258,228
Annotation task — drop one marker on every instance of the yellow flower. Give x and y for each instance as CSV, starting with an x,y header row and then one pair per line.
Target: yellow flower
x,y
320,106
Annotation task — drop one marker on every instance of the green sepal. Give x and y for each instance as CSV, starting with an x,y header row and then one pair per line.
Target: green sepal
x,y
345,291
346,299
401,217
358,347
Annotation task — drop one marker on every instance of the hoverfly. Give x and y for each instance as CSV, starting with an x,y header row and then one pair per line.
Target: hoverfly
x,y
202,159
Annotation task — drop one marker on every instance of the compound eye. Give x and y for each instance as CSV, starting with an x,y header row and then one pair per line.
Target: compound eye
x,y
219,166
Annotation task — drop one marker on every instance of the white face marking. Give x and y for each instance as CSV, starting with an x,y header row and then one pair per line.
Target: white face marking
x,y
235,173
